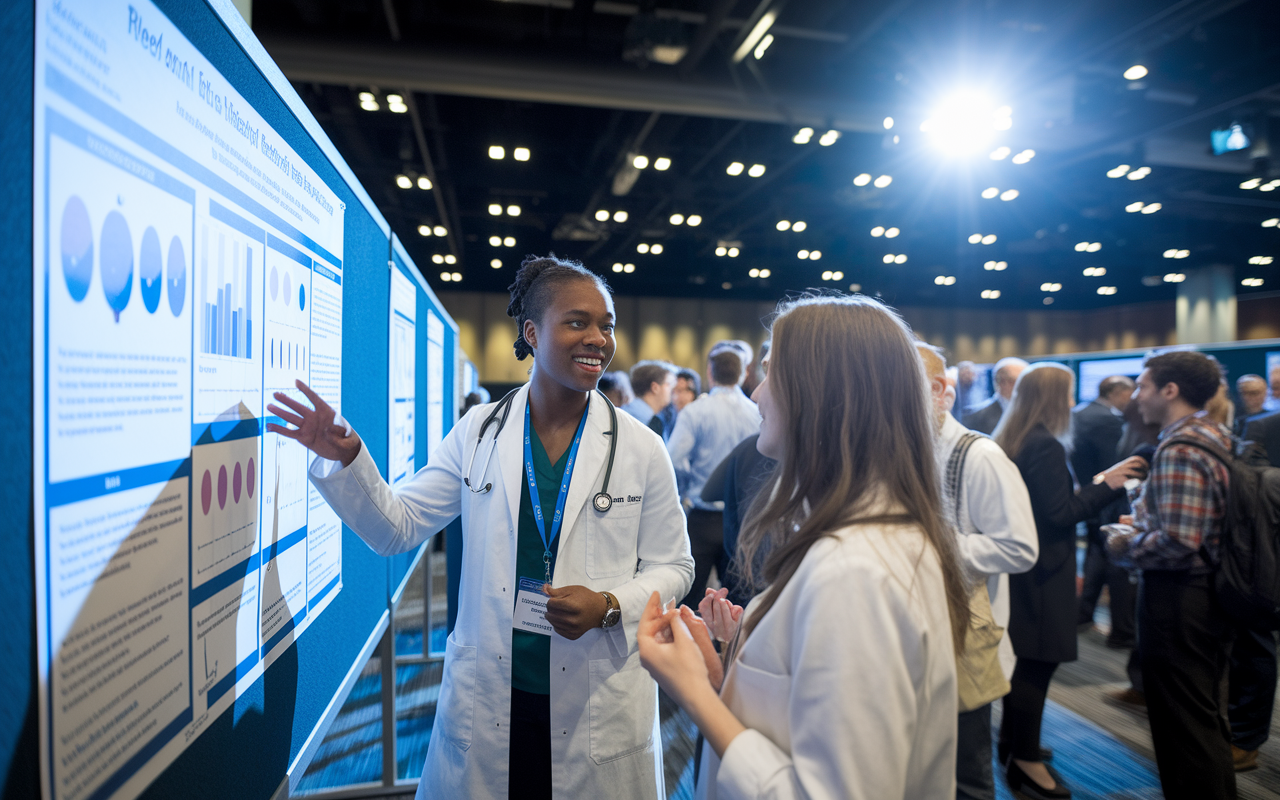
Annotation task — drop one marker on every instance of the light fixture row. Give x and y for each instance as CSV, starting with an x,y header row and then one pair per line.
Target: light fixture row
x,y
1174,252
1088,247
945,280
497,152
405,182
1001,153
1094,272
1260,260
731,252
1251,282
652,249
1106,290
620,267
811,255
1050,287
1256,183
736,168
448,258
788,225
661,163
1174,277
881,182
502,241
894,258
978,238
888,233
1145,208
995,266
992,192
428,230
602,215
1124,170
837,275
990,294
693,220
496,209
759,273
451,277
827,139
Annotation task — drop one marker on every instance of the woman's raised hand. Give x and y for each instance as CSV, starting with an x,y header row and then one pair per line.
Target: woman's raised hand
x,y
314,427
720,616
671,655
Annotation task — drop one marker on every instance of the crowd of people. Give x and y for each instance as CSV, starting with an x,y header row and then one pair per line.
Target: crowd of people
x,y
890,561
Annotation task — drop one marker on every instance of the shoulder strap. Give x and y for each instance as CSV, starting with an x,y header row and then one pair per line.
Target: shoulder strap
x,y
955,471
1223,455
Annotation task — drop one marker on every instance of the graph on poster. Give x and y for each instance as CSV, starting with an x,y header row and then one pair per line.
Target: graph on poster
x,y
181,275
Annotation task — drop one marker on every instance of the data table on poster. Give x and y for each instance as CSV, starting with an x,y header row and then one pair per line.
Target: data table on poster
x,y
188,263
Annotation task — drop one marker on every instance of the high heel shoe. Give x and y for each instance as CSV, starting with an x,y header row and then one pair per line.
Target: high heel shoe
x,y
1022,784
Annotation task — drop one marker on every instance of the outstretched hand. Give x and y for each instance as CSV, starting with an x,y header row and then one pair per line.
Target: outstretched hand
x,y
671,654
720,615
314,428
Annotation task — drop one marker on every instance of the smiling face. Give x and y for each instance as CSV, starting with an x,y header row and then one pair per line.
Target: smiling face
x,y
573,342
683,394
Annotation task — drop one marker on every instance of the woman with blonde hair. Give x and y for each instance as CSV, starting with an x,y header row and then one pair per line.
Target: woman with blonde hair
x,y
1042,622
839,678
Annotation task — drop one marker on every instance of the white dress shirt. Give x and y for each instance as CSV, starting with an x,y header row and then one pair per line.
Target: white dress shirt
x,y
706,432
639,409
998,531
847,686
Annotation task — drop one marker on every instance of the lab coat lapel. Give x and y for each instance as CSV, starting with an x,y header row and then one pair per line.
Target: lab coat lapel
x,y
587,476
510,455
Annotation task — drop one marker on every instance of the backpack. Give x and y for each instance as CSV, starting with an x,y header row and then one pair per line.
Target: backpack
x,y
1247,565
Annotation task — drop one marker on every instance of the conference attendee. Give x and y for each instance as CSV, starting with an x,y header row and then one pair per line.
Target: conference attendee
x,y
1183,634
841,679
985,417
706,431
1097,426
476,398
736,482
1042,622
532,703
652,383
756,370
1272,403
966,384
1252,391
987,503
617,387
1220,409
688,388
1251,679
1137,431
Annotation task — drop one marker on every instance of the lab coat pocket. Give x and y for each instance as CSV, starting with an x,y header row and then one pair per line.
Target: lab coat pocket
x,y
455,714
611,541
764,702
622,707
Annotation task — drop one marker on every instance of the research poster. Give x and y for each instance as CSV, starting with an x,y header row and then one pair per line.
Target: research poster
x,y
187,264
401,372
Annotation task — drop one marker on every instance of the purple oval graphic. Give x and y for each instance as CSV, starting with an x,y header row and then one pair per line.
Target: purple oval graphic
x,y
150,264
177,283
274,283
116,262
77,248
222,486
237,480
250,478
206,492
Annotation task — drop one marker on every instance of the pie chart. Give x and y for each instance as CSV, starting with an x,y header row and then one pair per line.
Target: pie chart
x,y
150,264
77,248
177,283
116,262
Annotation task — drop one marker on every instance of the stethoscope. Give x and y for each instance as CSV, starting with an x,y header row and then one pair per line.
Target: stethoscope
x,y
602,501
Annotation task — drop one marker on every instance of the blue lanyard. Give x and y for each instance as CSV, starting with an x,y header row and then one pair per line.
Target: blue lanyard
x,y
558,519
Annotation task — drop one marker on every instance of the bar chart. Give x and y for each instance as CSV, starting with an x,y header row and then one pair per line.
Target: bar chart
x,y
227,327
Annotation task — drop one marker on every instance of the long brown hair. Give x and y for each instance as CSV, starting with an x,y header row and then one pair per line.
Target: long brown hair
x,y
1042,396
852,396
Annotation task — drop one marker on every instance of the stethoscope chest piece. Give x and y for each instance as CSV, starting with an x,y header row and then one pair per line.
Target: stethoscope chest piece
x,y
603,502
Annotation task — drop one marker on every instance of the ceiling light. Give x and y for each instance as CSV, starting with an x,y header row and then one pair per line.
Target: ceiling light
x,y
424,230
1135,73
440,231
721,250
945,280
826,276
877,231
990,238
965,122
1011,194
814,255
457,276
509,241
799,226
628,268
990,294
437,259
617,266
837,276
756,170
883,181
495,241
1050,287
990,192
395,104
764,273
1261,260
1252,183
1151,208
888,258
642,248
1132,207
1095,272
1024,156
1000,153
446,276
891,233
1271,223
1081,246
662,164
901,258
802,255
829,138
495,210
975,238
370,105
656,249
803,136
1105,290
366,97
733,252
513,211
763,46
450,258
1174,277
1267,187
888,123
403,182
753,38
693,221
496,263
995,266
640,162
1139,174
1093,247
753,272
424,183
862,180
520,154
735,168
602,216
620,216
783,225
1252,282
497,152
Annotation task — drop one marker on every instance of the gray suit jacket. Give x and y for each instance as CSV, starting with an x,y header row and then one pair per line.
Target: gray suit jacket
x,y
1265,430
983,418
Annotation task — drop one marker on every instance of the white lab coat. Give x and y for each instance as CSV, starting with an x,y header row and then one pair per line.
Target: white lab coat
x,y
605,740
847,686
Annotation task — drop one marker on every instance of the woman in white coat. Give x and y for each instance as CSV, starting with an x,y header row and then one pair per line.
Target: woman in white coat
x,y
533,705
841,673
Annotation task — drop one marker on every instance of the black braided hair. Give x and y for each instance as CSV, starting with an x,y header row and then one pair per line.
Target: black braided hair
x,y
532,289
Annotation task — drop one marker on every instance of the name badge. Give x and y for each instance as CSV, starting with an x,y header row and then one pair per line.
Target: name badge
x,y
531,608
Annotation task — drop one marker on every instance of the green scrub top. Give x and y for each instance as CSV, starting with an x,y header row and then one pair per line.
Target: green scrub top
x,y
531,652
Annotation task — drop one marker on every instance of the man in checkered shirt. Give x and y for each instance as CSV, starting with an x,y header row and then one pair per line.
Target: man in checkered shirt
x,y
1184,637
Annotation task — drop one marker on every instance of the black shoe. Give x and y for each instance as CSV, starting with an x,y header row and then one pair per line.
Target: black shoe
x,y
1024,786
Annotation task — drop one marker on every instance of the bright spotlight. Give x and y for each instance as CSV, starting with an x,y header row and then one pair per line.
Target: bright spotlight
x,y
601,215
1024,156
814,255
642,248
496,263
1093,247
721,250
1132,207
640,162
495,210
764,273
883,181
975,238
662,164
495,241
437,259
1135,73
990,238
513,211
990,192
877,231
753,272
862,180
452,259
1008,195
763,46
424,182
693,221
619,216
799,226
656,249
803,255
1252,183
521,153
891,233
440,230
676,219
756,170
733,252
628,268
617,266
735,168
888,123
829,138
1271,223
509,241
1118,172
497,152
403,182
1151,208
1000,153
888,258
901,258
783,225
803,136
966,122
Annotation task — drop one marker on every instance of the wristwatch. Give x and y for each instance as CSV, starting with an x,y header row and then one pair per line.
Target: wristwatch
x,y
613,611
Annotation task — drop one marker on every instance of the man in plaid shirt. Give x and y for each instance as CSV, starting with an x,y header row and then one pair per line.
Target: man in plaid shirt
x,y
1183,635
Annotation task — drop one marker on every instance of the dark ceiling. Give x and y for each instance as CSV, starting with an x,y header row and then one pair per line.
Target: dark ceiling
x,y
579,83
